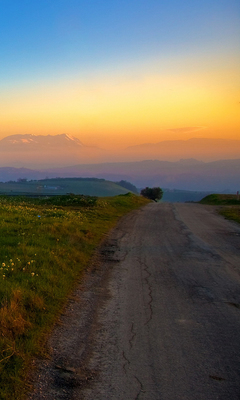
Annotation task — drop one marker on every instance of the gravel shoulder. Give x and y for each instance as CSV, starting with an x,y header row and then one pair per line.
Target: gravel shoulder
x,y
157,315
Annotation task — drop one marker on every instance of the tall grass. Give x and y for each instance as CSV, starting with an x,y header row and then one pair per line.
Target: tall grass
x,y
45,245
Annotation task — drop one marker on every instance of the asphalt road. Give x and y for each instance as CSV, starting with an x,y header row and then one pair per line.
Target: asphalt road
x,y
158,318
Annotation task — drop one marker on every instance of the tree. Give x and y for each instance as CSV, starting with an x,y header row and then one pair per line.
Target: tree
x,y
22,180
154,193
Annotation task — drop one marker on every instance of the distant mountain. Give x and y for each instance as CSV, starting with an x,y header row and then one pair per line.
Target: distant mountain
x,y
35,142
65,156
12,174
221,176
38,151
198,148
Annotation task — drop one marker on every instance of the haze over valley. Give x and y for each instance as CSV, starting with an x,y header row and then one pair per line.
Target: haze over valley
x,y
192,164
39,151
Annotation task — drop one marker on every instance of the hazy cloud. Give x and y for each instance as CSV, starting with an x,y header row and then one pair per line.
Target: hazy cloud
x,y
187,129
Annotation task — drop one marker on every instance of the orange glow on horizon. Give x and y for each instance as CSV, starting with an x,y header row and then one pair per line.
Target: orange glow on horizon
x,y
116,111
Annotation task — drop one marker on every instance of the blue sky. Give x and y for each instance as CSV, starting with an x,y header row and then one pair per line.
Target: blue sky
x,y
57,41
44,38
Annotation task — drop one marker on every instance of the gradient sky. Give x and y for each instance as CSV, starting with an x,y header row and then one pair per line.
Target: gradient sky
x,y
120,72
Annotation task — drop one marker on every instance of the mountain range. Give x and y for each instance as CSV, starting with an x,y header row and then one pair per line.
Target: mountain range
x,y
198,148
38,151
220,176
36,142
38,156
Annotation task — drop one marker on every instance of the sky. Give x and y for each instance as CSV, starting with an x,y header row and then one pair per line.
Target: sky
x,y
116,73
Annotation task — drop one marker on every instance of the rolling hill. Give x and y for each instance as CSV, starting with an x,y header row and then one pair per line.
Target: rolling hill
x,y
221,176
59,186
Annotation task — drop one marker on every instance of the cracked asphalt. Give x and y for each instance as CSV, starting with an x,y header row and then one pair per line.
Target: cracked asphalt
x,y
158,315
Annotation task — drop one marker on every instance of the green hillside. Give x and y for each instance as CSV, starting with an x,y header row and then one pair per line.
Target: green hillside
x,y
228,205
220,199
58,186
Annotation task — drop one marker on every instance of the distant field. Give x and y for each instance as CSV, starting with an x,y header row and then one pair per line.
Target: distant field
x,y
45,246
229,205
58,186
182,196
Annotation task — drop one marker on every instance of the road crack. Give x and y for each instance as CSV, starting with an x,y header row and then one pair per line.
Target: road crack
x,y
133,336
149,292
141,388
127,362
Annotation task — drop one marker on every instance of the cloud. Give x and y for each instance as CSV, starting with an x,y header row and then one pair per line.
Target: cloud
x,y
187,129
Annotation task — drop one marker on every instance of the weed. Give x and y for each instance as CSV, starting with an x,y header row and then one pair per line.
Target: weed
x,y
45,246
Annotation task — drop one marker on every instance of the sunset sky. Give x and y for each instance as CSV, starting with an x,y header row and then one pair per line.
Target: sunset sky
x,y
115,73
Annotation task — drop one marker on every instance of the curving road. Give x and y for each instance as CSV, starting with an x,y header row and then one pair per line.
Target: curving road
x,y
162,322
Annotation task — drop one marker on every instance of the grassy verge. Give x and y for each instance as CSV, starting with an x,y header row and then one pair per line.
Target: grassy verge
x,y
45,245
230,205
231,212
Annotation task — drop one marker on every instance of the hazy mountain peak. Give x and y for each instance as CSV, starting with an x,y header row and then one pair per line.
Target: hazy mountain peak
x,y
190,161
31,141
205,149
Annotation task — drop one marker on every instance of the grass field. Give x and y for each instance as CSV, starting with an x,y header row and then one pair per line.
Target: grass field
x,y
45,245
229,205
58,186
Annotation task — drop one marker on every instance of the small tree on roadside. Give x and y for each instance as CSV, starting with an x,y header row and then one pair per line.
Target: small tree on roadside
x,y
154,193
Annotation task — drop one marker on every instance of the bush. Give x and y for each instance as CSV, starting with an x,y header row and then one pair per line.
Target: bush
x,y
154,193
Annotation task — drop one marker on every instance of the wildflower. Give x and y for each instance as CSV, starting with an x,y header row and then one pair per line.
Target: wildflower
x,y
28,263
32,261
12,269
23,269
10,260
4,276
32,273
12,264
3,264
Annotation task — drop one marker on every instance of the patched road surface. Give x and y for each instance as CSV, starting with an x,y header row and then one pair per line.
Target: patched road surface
x,y
158,317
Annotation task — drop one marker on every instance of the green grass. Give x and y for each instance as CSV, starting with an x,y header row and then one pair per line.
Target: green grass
x,y
232,213
58,186
220,199
45,245
230,205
